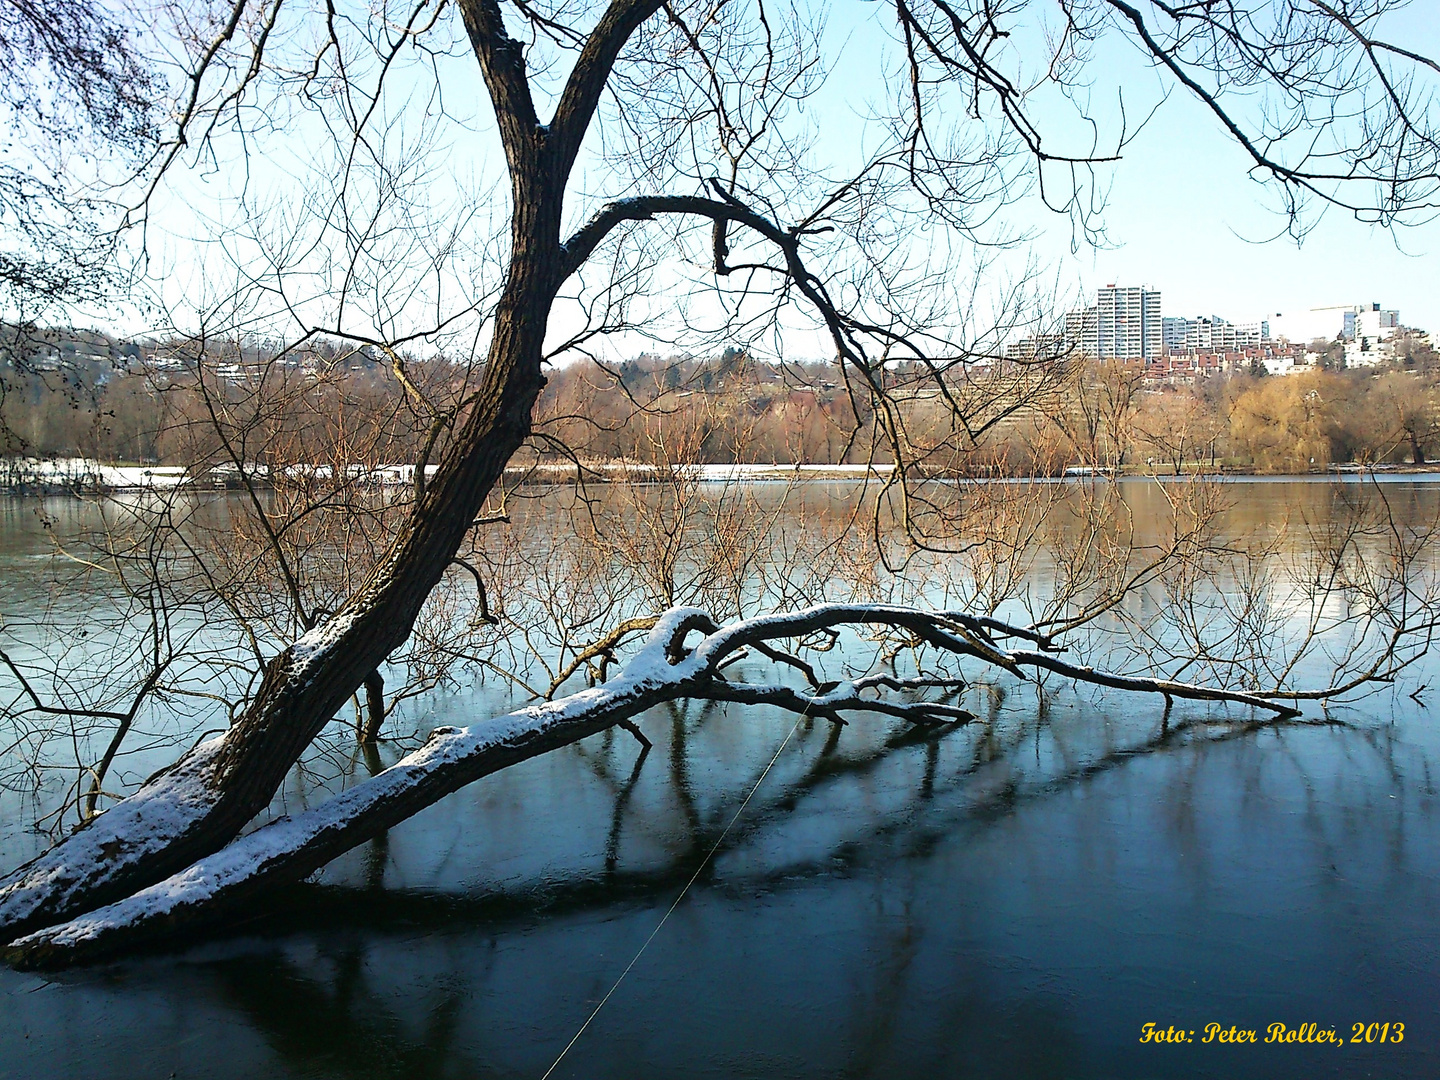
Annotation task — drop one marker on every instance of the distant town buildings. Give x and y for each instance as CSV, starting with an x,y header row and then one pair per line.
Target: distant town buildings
x,y
1368,320
1039,347
1126,323
1369,333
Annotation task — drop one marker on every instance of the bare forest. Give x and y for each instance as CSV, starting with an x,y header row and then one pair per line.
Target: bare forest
x,y
337,409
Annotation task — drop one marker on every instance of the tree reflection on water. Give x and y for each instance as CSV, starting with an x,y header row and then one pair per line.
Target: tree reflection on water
x,y
1006,899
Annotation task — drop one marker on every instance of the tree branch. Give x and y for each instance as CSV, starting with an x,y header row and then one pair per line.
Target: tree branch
x,y
502,63
663,670
589,77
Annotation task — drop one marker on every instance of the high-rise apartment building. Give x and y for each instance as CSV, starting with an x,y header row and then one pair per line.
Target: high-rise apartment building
x,y
1211,333
1124,324
1081,330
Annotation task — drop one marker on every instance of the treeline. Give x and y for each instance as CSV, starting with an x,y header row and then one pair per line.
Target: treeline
x,y
337,406
355,407
719,410
1266,424
174,407
1105,415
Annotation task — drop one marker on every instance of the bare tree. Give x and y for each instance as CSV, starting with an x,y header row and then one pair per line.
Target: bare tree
x,y
1097,413
1406,414
73,91
1177,425
686,120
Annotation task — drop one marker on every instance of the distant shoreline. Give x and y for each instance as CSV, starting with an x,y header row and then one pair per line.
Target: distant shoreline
x,y
82,476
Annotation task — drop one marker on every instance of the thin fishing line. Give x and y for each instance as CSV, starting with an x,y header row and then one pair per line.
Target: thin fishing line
x,y
693,878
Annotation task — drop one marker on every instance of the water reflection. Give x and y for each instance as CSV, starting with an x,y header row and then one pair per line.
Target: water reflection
x,y
1009,899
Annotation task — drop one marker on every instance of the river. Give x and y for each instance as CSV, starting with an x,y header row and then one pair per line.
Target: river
x,y
1016,898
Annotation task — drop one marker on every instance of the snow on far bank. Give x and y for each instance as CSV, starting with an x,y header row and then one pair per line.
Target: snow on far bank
x,y
85,473
88,474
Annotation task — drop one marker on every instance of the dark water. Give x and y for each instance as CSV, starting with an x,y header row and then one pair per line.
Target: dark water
x,y
1014,899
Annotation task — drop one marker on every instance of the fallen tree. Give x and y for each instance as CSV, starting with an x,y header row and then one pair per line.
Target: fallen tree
x,y
665,669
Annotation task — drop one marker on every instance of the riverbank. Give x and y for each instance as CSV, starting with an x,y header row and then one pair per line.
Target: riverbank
x,y
22,476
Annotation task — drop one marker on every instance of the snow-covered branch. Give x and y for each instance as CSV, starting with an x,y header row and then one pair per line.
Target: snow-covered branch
x,y
665,669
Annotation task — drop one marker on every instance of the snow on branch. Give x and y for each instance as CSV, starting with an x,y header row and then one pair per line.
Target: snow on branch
x,y
665,669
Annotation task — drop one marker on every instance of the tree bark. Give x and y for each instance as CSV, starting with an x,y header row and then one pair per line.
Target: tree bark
x,y
204,800
292,848
216,789
374,709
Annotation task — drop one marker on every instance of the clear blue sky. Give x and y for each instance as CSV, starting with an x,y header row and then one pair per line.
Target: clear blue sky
x,y
1184,216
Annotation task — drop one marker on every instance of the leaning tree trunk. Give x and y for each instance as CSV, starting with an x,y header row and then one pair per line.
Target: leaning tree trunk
x,y
205,799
